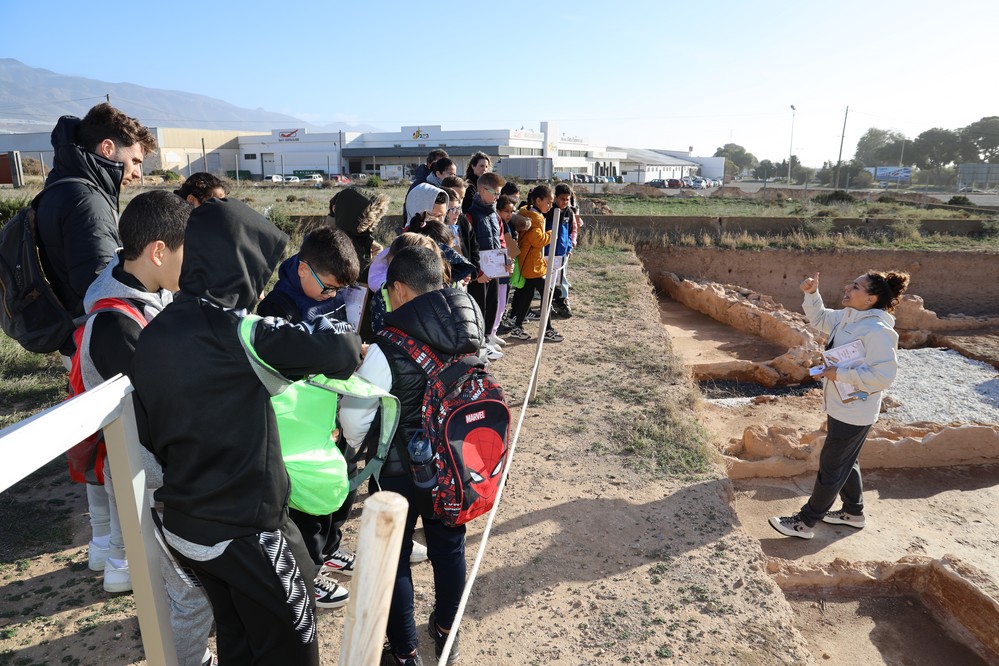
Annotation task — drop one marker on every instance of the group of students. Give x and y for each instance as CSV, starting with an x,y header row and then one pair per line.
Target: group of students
x,y
235,552
484,213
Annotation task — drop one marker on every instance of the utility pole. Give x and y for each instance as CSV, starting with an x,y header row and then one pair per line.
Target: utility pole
x,y
839,160
790,151
901,156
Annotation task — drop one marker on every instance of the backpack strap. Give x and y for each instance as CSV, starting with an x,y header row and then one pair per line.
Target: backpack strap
x,y
420,352
354,387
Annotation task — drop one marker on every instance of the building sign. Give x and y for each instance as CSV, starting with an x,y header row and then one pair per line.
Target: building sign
x,y
290,135
419,134
891,174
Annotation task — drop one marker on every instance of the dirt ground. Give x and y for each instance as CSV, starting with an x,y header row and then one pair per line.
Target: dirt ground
x,y
593,558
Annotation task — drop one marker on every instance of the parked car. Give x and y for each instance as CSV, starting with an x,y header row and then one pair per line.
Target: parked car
x,y
658,182
687,182
698,184
674,183
340,179
274,178
292,179
316,178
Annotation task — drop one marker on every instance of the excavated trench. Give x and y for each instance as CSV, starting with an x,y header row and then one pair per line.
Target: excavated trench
x,y
919,584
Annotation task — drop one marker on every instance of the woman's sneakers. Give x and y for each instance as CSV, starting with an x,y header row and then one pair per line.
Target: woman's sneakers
x,y
329,593
793,526
843,518
495,340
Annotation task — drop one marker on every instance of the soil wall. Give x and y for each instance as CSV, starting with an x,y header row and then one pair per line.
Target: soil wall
x,y
948,282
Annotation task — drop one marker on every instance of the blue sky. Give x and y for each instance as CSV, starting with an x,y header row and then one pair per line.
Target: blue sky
x,y
643,74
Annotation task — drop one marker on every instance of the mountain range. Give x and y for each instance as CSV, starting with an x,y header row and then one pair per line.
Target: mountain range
x,y
32,99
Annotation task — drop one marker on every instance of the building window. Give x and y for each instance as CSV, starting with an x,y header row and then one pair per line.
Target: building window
x,y
397,145
572,153
250,156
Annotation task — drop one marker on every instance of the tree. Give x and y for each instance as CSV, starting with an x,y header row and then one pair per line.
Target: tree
x,y
984,136
738,155
935,149
765,169
871,144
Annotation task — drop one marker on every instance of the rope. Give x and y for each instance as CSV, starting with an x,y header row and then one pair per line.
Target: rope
x,y
467,592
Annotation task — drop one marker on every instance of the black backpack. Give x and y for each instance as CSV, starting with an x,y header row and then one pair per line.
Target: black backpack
x,y
30,311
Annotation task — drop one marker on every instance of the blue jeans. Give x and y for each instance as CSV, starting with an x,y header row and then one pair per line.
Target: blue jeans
x,y
446,549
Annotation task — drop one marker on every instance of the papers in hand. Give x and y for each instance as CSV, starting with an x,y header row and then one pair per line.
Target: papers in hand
x,y
493,263
354,298
849,355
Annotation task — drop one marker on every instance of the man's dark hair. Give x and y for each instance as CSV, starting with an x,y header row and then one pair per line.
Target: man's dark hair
x,y
453,182
561,189
418,268
153,216
435,155
330,251
442,164
201,185
106,122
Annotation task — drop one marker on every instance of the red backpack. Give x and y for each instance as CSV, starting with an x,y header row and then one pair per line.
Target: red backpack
x,y
466,419
86,459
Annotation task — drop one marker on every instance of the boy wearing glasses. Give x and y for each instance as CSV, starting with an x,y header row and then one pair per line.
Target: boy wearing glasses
x,y
308,282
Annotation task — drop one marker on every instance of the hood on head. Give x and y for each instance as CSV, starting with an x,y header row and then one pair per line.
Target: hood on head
x,y
73,160
230,251
419,200
359,210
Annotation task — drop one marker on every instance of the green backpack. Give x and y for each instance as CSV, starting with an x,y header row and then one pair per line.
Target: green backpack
x,y
306,417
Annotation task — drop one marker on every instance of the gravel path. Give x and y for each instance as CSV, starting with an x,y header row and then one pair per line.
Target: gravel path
x,y
941,386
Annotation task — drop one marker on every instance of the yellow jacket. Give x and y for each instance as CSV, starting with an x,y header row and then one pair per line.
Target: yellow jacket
x,y
532,244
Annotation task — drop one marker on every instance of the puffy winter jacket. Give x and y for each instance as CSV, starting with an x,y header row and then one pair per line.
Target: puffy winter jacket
x,y
532,245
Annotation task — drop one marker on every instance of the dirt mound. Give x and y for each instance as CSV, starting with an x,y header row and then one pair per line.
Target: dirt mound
x,y
594,207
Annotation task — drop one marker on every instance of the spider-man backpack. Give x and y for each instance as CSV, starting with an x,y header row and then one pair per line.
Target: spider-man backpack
x,y
466,419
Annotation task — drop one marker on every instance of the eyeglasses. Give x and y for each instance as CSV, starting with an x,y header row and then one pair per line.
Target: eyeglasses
x,y
454,210
324,290
491,191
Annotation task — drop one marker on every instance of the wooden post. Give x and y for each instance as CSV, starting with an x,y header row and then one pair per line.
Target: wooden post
x,y
546,295
379,541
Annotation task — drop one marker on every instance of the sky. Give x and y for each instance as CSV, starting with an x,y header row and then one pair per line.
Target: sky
x,y
632,73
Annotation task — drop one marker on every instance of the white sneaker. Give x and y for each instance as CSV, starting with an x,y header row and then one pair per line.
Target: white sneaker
x,y
495,340
116,576
493,354
97,553
419,553
341,562
329,593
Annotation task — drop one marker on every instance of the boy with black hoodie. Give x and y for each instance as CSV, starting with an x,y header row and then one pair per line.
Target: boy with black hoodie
x,y
201,409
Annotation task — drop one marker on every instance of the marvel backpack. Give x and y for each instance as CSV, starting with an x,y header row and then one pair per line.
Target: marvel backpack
x,y
465,417
306,417
30,311
86,459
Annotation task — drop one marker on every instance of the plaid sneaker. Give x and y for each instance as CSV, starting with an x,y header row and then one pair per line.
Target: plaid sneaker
x,y
792,526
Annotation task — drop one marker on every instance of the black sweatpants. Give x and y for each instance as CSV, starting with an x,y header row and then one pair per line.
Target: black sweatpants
x,y
522,300
839,472
265,608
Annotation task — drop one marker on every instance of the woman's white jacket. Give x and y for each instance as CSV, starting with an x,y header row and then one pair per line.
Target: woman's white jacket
x,y
876,328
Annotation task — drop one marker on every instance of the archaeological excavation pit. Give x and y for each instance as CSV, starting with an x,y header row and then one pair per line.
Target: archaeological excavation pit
x,y
920,579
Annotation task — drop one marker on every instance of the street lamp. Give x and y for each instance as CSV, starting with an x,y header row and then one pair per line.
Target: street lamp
x,y
791,149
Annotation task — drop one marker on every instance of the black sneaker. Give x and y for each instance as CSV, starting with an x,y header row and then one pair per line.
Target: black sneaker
x,y
551,335
389,658
533,315
519,333
503,329
440,639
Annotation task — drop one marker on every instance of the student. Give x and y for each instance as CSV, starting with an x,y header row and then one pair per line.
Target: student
x,y
441,169
505,210
465,242
533,265
309,282
200,187
144,273
478,164
866,316
379,305
448,321
419,177
486,225
201,409
308,287
456,183
357,214
563,247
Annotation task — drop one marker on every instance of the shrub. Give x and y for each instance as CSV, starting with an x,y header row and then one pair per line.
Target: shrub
x,y
290,198
281,220
959,200
9,207
166,174
836,196
374,181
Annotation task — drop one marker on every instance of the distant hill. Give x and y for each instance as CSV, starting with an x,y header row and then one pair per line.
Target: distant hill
x,y
32,99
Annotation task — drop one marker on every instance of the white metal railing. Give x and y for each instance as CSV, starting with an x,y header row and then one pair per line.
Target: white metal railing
x,y
39,439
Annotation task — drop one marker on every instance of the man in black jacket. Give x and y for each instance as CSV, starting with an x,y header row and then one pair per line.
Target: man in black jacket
x,y
203,412
78,222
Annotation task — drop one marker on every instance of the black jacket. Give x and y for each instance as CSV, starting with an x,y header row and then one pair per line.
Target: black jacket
x,y
199,406
78,223
449,322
